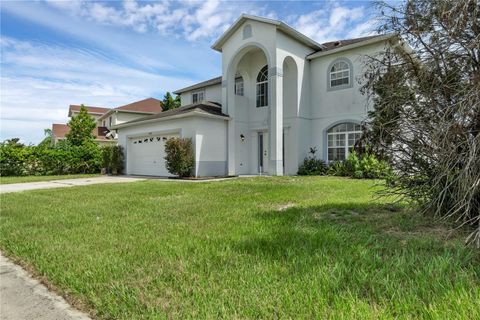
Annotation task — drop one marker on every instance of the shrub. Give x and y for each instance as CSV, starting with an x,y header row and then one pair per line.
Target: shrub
x,y
312,166
337,168
179,159
14,158
17,159
365,166
112,159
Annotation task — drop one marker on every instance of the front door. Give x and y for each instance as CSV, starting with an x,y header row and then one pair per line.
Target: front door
x,y
263,152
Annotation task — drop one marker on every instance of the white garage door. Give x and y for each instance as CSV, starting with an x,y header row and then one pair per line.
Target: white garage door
x,y
146,155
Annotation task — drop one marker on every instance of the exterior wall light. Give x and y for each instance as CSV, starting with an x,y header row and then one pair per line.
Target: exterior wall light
x,y
242,137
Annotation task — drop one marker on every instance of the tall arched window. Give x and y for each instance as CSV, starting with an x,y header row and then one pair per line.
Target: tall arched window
x,y
340,74
262,87
341,139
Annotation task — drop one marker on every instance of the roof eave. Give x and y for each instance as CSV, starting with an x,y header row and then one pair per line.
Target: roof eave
x,y
217,45
175,116
350,46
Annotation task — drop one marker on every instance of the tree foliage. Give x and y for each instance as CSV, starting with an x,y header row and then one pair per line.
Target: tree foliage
x,y
169,102
179,157
81,128
425,90
17,159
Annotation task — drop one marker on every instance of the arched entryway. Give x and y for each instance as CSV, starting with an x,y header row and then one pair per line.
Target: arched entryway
x,y
249,147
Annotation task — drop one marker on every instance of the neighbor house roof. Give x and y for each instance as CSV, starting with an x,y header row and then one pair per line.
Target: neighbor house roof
x,y
278,24
59,131
203,108
210,82
146,106
90,110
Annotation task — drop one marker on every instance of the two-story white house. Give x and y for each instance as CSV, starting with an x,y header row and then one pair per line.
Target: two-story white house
x,y
280,93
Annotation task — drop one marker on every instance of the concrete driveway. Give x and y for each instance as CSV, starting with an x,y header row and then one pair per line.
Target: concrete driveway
x,y
24,298
18,187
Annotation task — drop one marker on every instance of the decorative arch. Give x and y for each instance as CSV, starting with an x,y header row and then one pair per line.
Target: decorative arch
x,y
233,64
340,70
290,87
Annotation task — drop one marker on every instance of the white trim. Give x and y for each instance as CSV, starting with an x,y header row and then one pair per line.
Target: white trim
x,y
278,24
194,113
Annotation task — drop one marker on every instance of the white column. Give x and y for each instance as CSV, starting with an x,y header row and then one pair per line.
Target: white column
x,y
228,105
276,121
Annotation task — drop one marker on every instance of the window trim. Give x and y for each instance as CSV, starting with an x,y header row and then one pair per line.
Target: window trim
x,y
264,82
350,75
196,93
326,134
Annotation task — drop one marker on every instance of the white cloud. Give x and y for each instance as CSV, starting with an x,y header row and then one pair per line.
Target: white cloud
x,y
193,20
332,22
40,81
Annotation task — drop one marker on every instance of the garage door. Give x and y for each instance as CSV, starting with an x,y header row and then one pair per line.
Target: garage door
x,y
146,155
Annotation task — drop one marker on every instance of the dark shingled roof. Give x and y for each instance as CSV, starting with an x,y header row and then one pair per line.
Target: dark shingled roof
x,y
149,105
342,43
209,107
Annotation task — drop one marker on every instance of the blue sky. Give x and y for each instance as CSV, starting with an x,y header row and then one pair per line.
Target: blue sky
x,y
110,53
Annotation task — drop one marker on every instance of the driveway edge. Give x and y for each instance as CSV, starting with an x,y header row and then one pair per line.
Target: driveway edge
x,y
23,296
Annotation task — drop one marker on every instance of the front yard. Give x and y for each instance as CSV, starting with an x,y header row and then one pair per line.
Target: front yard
x,y
23,179
286,247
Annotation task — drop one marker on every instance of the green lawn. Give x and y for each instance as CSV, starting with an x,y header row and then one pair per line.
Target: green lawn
x,y
9,180
286,247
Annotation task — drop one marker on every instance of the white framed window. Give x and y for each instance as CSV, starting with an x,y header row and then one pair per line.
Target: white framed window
x,y
341,138
340,74
198,96
262,88
110,121
239,90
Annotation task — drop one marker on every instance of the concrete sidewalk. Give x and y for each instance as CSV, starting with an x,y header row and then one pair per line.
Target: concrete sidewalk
x,y
18,187
24,298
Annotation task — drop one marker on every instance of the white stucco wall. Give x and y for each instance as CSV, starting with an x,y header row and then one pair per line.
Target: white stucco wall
x,y
343,105
212,93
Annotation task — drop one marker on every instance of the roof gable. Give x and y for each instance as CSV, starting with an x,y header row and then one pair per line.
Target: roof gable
x,y
90,110
278,24
149,105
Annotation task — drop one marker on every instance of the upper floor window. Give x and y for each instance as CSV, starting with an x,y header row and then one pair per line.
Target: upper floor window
x,y
340,74
239,86
198,96
262,87
341,140
109,121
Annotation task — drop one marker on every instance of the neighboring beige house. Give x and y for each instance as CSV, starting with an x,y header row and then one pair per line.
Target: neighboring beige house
x,y
280,94
106,117
129,112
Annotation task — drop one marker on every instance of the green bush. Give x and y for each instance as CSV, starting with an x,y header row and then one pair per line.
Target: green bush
x,y
14,158
17,159
179,159
112,159
312,166
365,166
